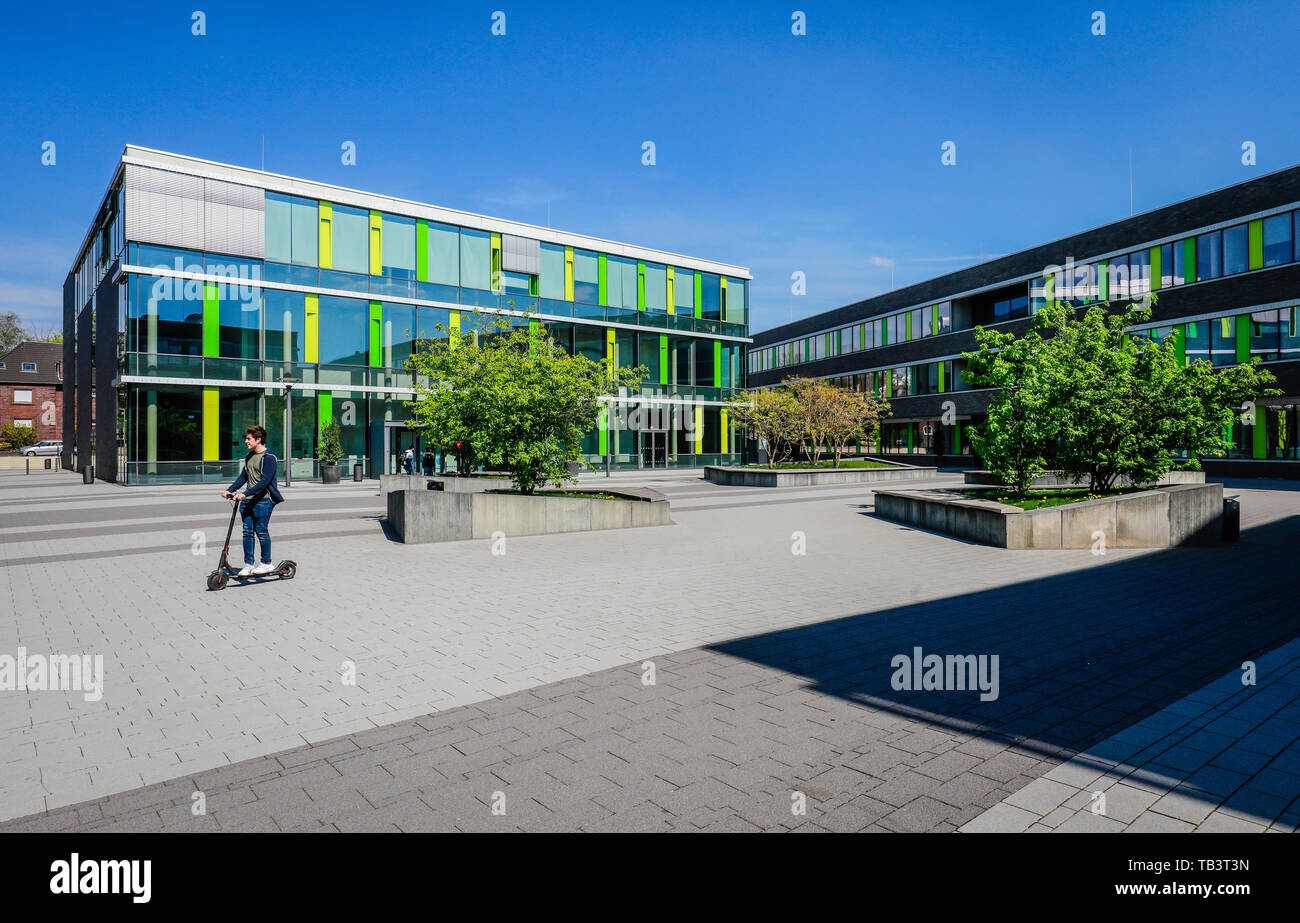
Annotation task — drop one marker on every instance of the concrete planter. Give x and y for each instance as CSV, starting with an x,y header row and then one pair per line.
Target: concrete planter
x,y
1056,479
1179,514
813,477
420,515
330,474
391,482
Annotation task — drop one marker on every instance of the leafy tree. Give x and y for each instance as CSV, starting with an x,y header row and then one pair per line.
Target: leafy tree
x,y
770,414
17,437
11,331
512,397
850,415
1091,397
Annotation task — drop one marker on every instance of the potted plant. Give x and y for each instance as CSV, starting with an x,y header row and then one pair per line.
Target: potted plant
x,y
331,450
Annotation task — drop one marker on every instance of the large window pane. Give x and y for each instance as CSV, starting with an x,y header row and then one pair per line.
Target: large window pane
x,y
285,323
444,254
1139,270
1264,331
350,230
1223,341
551,284
1119,277
305,249
656,287
586,277
344,333
398,334
1197,340
1180,262
711,296
1236,250
239,312
620,282
398,246
1277,239
475,259
684,291
278,228
1167,265
1209,256
735,313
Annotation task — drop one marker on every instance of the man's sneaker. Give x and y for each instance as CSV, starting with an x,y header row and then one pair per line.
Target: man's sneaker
x,y
263,569
246,572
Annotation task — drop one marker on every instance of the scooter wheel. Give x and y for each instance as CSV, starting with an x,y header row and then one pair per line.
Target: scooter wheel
x,y
217,580
288,570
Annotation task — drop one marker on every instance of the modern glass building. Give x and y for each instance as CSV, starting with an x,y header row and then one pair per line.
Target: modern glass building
x,y
1225,268
206,297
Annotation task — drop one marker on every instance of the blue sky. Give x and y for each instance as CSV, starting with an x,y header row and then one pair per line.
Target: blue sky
x,y
818,153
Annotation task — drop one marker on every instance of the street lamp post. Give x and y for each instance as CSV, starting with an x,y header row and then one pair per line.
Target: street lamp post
x,y
288,380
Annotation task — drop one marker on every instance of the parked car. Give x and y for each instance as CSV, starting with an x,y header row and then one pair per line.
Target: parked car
x,y
46,447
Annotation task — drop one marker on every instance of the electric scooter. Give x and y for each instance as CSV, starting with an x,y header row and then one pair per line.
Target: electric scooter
x,y
224,573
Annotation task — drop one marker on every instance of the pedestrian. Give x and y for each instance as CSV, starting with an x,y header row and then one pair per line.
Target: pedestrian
x,y
256,492
428,461
408,461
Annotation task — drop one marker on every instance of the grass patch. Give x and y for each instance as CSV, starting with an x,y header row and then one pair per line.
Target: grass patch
x,y
806,466
1055,496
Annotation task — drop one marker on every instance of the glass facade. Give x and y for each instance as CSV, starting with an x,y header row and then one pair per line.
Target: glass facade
x,y
340,331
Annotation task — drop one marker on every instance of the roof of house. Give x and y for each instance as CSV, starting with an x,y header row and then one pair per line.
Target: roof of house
x,y
48,358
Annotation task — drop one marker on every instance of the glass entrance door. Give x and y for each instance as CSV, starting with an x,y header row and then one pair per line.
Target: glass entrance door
x,y
654,449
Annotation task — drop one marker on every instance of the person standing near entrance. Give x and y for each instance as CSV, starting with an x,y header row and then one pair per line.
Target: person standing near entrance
x,y
428,461
408,461
258,497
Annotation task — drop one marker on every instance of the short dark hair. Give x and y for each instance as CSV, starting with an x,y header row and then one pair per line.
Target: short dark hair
x,y
257,433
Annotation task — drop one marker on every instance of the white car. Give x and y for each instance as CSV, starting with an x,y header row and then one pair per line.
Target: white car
x,y
47,447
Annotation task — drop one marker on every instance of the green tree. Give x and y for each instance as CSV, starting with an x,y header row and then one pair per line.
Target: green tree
x,y
770,414
1093,398
512,397
11,331
17,437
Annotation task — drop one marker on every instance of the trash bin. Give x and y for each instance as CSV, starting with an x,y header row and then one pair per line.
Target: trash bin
x,y
356,471
1231,519
88,474
48,464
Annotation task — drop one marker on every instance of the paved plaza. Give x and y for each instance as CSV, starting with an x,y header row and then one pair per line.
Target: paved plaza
x,y
728,672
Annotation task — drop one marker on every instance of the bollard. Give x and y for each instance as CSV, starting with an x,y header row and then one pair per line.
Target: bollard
x,y
356,471
1231,519
27,460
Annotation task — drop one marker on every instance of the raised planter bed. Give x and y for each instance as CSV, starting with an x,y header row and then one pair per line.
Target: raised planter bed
x,y
420,515
1178,514
812,477
457,485
984,478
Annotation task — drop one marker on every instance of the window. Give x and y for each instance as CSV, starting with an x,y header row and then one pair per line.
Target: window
x,y
285,324
1209,256
344,331
398,247
896,329
1223,343
710,296
899,381
1139,273
291,228
684,291
1167,265
944,310
1119,277
1180,261
444,255
1277,240
29,366
1264,330
586,277
475,259
551,283
350,246
517,282
620,282
1236,250
656,287
22,395
735,307
1197,344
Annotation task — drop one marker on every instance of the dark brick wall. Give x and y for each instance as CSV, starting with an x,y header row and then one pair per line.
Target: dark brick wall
x,y
46,403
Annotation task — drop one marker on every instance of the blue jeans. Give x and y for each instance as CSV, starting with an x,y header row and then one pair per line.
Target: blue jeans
x,y
257,516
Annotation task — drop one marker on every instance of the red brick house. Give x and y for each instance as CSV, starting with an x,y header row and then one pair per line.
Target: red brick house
x,y
31,388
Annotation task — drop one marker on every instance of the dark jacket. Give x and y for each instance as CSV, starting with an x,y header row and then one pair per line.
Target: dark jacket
x,y
263,487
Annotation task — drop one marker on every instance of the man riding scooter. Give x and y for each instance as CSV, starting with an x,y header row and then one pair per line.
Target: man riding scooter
x,y
258,498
